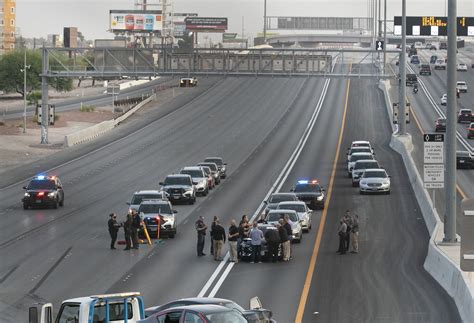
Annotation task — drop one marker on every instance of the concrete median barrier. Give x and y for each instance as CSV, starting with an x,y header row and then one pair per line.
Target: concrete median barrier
x,y
442,261
101,128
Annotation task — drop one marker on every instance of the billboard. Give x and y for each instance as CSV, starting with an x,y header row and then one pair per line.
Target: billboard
x,y
206,24
135,20
433,26
180,24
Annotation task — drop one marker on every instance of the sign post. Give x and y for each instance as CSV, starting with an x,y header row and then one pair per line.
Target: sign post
x,y
433,158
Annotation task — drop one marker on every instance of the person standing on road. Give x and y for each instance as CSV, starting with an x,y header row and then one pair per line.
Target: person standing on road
x,y
127,229
272,237
211,233
355,234
233,237
243,232
219,240
136,225
201,228
285,242
257,236
113,229
342,236
348,221
289,230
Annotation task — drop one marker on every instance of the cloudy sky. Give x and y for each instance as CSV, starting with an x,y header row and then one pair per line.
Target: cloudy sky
x,y
37,18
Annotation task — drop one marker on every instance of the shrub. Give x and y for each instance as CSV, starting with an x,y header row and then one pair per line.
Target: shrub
x,y
87,108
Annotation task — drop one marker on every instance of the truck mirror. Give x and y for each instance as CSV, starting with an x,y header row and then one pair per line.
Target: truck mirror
x,y
33,315
255,303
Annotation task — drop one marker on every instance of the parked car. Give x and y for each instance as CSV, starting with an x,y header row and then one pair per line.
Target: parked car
x,y
374,181
179,187
214,170
220,164
302,210
274,216
143,195
159,218
465,115
275,198
359,168
246,249
470,131
461,86
425,69
196,314
199,178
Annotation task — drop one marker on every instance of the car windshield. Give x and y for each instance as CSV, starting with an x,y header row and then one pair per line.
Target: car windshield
x,y
227,316
375,174
365,165
360,144
212,166
41,185
216,161
155,208
192,172
360,150
308,188
206,170
274,217
465,112
177,181
233,306
295,207
359,157
138,198
277,198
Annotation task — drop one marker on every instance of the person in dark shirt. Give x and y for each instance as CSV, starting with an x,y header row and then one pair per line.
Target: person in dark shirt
x,y
201,228
113,229
272,237
127,229
244,229
219,240
233,237
284,241
211,233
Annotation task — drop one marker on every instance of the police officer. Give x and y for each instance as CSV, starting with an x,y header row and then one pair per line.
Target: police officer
x,y
201,228
136,224
113,229
127,229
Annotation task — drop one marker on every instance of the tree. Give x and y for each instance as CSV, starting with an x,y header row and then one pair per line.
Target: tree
x,y
11,75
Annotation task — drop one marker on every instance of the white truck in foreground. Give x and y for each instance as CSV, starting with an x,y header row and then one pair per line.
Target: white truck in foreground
x,y
117,308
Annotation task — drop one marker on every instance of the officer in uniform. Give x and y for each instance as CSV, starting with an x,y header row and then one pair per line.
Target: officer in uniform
x,y
113,229
201,228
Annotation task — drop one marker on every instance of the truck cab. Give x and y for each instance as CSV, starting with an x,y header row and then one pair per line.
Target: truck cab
x,y
117,308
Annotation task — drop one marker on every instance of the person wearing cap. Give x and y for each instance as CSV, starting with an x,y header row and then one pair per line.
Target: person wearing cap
x,y
201,228
113,229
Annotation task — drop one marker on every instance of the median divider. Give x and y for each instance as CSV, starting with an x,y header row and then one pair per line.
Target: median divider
x,y
92,132
442,260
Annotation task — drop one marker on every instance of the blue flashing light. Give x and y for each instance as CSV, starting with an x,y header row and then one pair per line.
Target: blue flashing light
x,y
303,181
40,177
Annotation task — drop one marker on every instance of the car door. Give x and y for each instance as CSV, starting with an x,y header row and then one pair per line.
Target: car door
x,y
170,317
192,317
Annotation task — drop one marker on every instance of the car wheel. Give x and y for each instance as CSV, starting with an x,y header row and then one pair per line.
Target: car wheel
x,y
361,192
25,206
388,192
56,204
354,184
62,202
172,235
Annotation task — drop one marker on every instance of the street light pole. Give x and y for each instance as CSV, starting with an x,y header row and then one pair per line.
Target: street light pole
x,y
403,74
264,21
25,67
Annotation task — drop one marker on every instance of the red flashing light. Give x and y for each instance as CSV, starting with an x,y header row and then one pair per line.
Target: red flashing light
x,y
41,194
314,181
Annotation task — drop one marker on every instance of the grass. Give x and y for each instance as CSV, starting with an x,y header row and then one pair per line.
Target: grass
x,y
87,108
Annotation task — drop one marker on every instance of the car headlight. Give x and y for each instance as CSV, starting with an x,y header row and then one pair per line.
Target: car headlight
x,y
27,194
52,194
363,183
320,198
295,231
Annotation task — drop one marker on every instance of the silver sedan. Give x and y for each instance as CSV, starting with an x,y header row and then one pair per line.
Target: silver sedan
x,y
303,211
374,180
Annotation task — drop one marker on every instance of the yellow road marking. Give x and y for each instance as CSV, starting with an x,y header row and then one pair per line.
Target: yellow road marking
x,y
314,256
458,188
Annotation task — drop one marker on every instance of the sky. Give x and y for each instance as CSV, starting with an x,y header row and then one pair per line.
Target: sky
x,y
37,18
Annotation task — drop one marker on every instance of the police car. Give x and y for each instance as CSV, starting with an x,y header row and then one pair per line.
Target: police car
x,y
310,192
43,191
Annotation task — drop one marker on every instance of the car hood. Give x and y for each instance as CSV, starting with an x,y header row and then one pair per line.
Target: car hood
x,y
37,191
374,180
308,194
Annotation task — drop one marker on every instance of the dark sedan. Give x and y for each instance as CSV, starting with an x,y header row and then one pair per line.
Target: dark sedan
x,y
253,315
465,115
440,125
464,159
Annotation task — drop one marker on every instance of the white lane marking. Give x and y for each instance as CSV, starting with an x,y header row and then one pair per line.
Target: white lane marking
x,y
275,187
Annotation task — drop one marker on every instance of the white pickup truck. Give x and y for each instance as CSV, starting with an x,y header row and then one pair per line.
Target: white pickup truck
x,y
119,308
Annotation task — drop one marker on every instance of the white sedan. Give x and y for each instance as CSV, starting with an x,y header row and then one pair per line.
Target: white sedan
x,y
444,99
374,180
461,67
303,211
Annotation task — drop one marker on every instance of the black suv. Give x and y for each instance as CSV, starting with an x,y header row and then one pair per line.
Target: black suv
x,y
425,69
43,191
311,193
180,188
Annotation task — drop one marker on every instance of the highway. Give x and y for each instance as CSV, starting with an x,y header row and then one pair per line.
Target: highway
x,y
96,100
271,132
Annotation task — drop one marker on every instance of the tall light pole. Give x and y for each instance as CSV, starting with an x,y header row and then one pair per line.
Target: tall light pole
x,y
25,67
264,21
403,73
450,172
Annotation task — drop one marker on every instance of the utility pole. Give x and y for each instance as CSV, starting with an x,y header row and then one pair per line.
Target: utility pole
x,y
44,98
403,74
25,67
264,21
384,35
450,170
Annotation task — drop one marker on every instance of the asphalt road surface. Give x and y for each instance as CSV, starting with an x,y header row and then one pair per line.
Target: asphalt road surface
x,y
259,126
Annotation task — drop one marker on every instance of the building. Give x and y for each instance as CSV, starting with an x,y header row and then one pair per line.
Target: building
x,y
7,25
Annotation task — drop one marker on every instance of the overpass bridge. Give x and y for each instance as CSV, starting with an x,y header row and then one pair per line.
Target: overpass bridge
x,y
309,40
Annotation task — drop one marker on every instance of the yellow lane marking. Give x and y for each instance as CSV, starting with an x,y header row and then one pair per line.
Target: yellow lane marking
x,y
458,188
322,222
